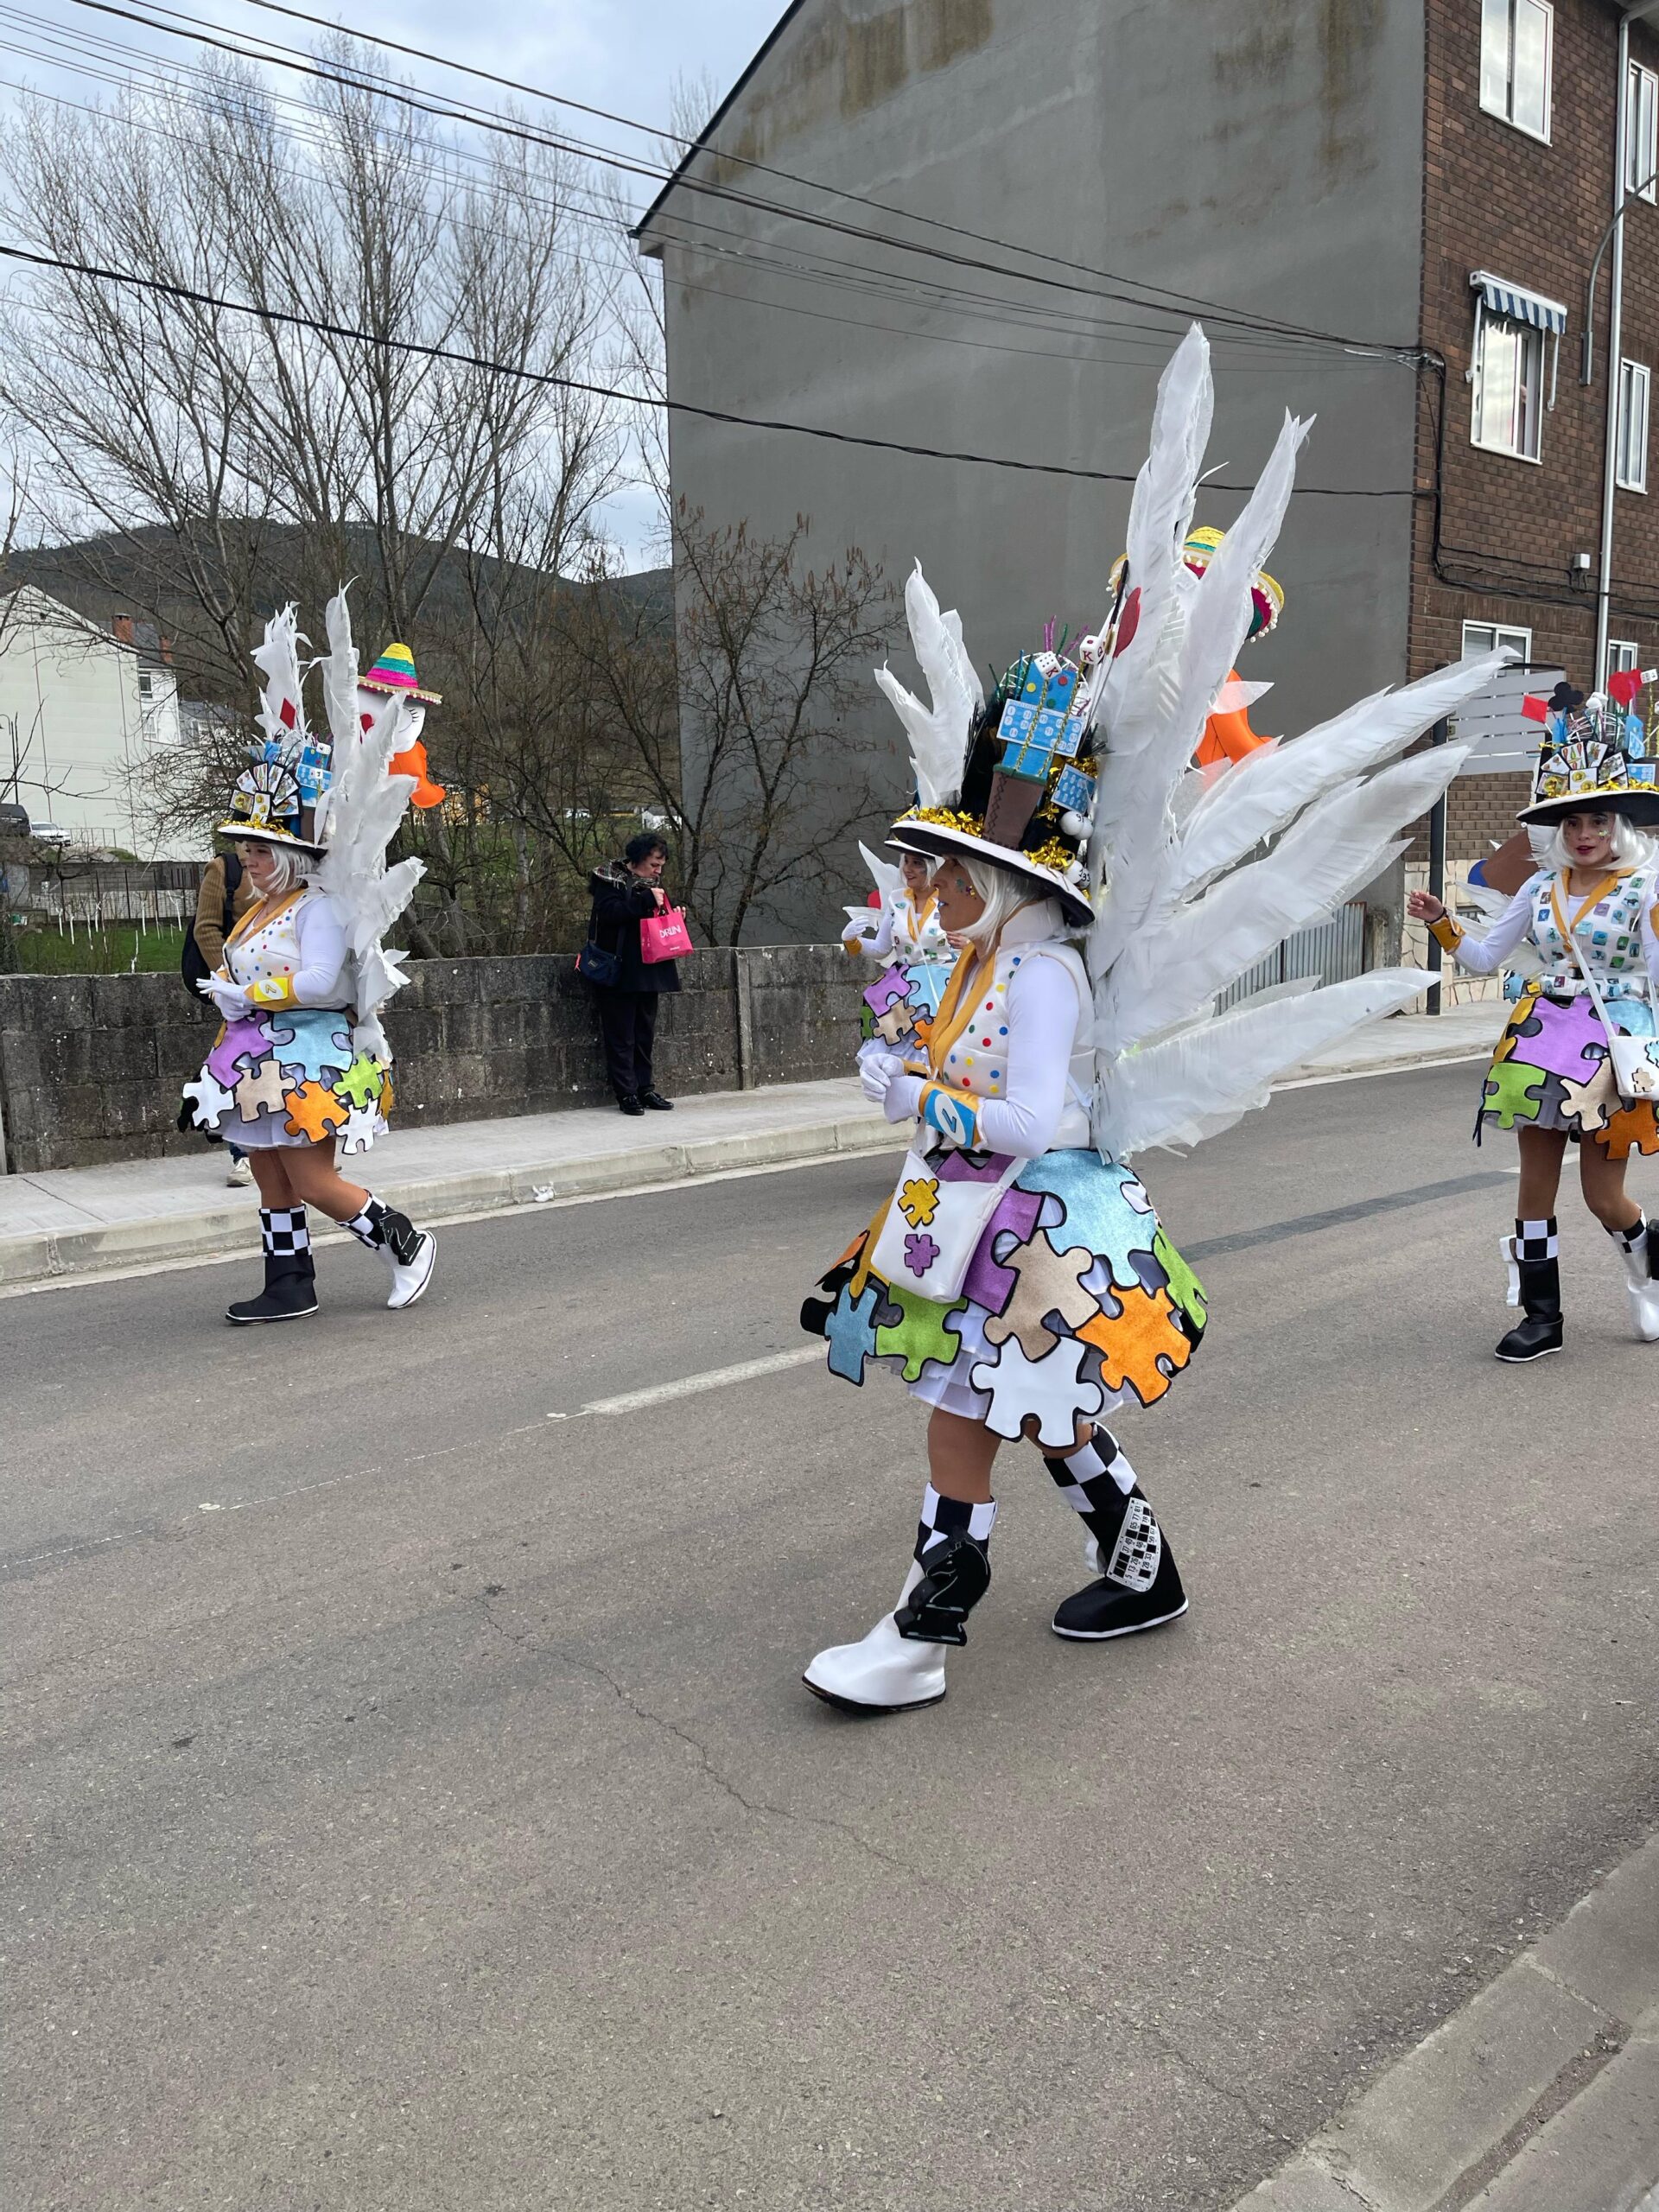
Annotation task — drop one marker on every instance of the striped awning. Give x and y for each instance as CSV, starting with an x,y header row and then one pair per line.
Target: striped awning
x,y
1519,304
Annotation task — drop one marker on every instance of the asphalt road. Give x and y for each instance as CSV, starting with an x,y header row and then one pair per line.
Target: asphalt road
x,y
412,1802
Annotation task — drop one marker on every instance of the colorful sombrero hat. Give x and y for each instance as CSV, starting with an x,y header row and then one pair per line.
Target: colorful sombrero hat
x,y
394,673
1267,598
1598,756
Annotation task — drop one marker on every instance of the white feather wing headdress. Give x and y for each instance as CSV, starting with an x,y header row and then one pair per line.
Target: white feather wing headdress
x,y
1190,899
360,813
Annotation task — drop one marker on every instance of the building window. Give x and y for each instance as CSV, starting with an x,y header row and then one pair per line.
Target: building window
x,y
1622,654
1509,380
1515,37
1496,637
146,685
1634,385
1642,132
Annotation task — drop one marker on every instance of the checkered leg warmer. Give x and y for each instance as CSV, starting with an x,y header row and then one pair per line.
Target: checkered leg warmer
x,y
284,1231
944,1519
1099,1483
1533,1244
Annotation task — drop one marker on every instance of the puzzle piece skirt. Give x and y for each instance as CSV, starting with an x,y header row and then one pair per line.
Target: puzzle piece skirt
x,y
1073,1298
292,1078
1551,1070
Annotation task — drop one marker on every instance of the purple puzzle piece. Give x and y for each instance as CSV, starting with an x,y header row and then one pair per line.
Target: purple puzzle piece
x,y
886,990
1570,1041
244,1039
987,1281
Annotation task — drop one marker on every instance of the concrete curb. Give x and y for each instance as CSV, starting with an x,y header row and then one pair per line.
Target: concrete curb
x,y
1541,2095
43,1256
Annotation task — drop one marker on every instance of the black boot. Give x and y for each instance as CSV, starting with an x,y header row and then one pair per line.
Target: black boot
x,y
627,1104
1535,1287
290,1290
1139,1586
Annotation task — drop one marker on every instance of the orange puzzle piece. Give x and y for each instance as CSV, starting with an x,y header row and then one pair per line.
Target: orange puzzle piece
x,y
314,1112
1632,1128
1132,1343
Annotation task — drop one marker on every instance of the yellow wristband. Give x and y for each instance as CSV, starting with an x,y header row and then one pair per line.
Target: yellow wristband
x,y
271,990
1445,933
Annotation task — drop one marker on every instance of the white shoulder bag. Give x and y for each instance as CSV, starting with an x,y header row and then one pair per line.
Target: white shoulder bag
x,y
1635,1060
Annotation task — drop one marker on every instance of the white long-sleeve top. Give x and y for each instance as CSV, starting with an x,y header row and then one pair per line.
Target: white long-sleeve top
x,y
296,957
1615,937
1045,1014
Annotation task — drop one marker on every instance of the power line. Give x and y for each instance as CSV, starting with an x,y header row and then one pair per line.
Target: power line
x,y
834,272
1185,301
357,78
461,358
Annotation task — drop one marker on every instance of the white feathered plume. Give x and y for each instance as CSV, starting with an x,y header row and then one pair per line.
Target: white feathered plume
x,y
361,810
281,701
1185,910
939,733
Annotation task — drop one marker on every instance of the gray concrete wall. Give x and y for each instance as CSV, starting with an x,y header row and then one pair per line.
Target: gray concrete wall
x,y
92,1066
1267,157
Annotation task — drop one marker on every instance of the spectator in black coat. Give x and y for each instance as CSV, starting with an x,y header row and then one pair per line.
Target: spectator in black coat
x,y
625,891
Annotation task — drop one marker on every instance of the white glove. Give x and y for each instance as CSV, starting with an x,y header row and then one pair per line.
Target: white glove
x,y
903,1096
230,998
876,1072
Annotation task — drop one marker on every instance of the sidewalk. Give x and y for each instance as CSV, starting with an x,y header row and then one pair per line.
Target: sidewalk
x,y
79,1221
1541,2095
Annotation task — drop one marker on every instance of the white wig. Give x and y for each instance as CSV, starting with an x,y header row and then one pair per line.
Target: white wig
x,y
1004,894
1630,847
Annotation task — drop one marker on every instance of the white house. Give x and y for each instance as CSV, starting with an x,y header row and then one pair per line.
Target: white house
x,y
82,710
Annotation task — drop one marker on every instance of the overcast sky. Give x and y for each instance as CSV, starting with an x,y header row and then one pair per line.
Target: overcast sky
x,y
625,56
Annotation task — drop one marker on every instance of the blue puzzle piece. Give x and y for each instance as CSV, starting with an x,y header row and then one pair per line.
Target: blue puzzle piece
x,y
850,1330
1100,1212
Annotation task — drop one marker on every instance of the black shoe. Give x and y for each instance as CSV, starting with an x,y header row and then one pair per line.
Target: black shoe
x,y
1539,1298
629,1105
657,1103
1107,1609
1533,1338
290,1292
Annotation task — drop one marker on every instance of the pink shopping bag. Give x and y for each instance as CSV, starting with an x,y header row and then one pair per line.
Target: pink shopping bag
x,y
664,936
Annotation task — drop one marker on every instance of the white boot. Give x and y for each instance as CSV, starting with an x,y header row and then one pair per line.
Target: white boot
x,y
411,1273
1643,1289
883,1672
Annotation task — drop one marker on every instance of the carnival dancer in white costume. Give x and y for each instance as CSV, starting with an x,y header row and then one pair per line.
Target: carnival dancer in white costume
x,y
1018,1276
912,947
301,1060
1578,1061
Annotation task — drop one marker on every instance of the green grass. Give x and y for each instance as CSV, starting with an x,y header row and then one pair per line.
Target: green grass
x,y
96,952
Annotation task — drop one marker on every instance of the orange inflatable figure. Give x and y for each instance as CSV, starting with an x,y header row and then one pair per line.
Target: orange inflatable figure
x,y
393,676
1227,734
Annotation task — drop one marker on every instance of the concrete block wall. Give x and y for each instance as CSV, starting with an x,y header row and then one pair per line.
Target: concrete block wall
x,y
92,1066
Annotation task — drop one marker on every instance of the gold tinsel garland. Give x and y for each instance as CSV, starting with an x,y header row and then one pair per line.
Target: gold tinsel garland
x,y
1056,854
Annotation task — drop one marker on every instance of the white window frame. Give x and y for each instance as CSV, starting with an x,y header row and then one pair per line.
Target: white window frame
x,y
1642,132
1496,637
1635,424
1525,437
1623,654
1498,24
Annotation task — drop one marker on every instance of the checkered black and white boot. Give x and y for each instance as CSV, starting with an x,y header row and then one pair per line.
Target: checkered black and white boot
x,y
410,1253
1139,1586
900,1664
1533,1255
290,1290
1639,1248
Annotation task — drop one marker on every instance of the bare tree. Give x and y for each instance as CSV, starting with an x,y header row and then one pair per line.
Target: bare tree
x,y
737,700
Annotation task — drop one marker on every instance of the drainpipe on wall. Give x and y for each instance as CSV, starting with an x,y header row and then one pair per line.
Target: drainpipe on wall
x,y
1633,11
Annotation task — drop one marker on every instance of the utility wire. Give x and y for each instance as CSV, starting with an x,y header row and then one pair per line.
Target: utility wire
x,y
1186,302
360,80
461,358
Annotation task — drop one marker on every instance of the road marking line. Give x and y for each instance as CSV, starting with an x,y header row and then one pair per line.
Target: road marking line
x,y
689,1386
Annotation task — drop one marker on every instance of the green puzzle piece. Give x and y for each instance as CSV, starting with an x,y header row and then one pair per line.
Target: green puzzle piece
x,y
1514,1094
362,1082
922,1334
1184,1285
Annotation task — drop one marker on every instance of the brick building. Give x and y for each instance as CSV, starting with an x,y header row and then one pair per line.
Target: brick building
x,y
1417,187
1521,125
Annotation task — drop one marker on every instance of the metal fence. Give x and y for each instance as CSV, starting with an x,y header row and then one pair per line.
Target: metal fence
x,y
1333,950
